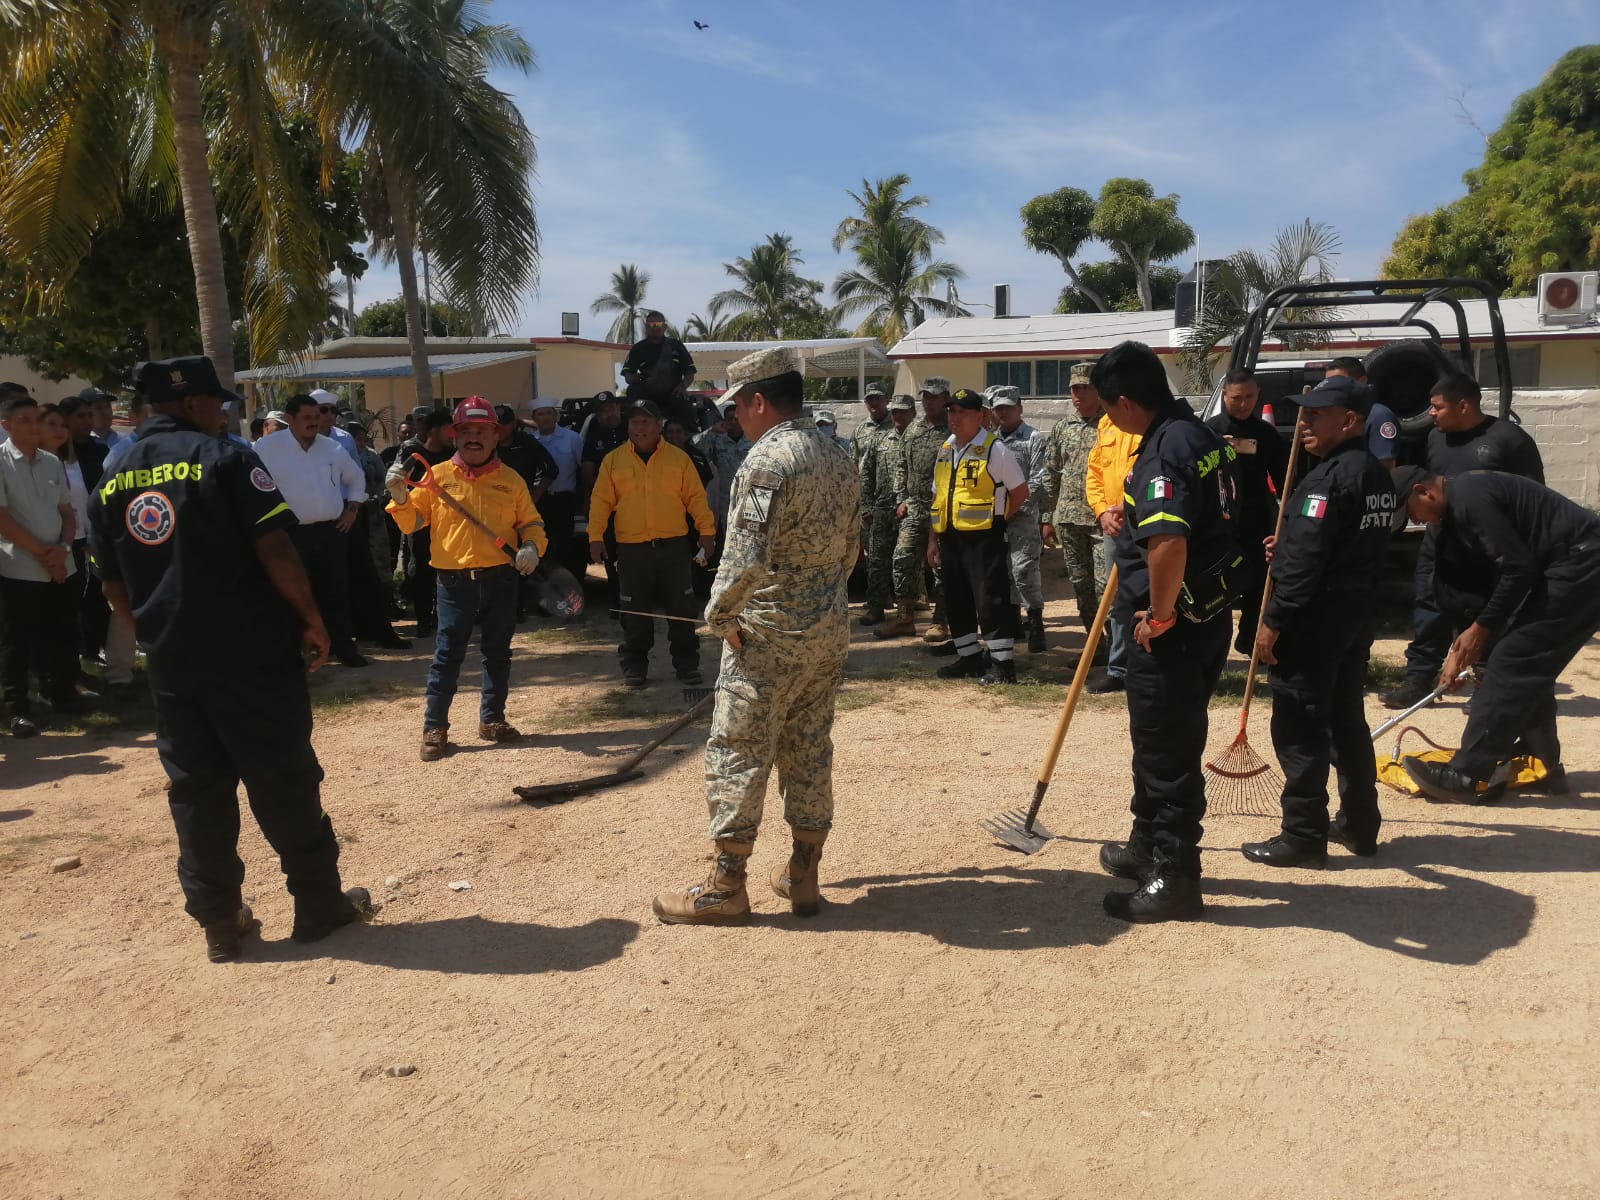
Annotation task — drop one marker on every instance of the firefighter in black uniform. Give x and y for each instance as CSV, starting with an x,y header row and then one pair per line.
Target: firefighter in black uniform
x,y
1541,555
1316,632
1176,550
188,534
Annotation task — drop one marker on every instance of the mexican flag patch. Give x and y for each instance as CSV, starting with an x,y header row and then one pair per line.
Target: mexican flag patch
x,y
1315,506
1160,489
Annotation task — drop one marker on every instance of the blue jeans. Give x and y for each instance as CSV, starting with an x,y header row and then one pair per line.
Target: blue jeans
x,y
490,599
1120,623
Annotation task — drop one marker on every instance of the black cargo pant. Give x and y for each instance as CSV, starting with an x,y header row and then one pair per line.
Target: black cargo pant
x,y
323,551
1169,693
251,725
39,630
976,567
654,577
1517,697
1318,720
1431,630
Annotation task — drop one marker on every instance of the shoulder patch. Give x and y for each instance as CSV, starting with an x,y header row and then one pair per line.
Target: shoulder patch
x,y
261,481
1315,507
1160,489
761,477
1389,430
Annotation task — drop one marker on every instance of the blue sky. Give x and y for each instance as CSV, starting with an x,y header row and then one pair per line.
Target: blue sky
x,y
678,149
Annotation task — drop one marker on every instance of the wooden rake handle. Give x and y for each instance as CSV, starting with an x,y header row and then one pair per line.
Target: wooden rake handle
x,y
1079,678
1266,589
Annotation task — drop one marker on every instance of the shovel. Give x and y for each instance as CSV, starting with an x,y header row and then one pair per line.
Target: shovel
x,y
1020,830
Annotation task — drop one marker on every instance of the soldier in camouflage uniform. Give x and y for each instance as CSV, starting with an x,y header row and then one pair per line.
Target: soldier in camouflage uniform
x,y
779,604
1070,520
913,486
877,445
1023,538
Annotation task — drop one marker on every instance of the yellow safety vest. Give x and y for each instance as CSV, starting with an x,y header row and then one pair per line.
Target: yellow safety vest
x,y
964,491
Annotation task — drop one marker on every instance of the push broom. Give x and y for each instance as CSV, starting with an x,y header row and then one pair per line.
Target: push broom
x,y
1239,782
1018,829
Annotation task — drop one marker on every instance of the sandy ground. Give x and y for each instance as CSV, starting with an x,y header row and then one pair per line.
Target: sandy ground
x,y
960,1020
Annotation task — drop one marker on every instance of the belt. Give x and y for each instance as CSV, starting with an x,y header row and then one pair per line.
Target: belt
x,y
674,542
472,574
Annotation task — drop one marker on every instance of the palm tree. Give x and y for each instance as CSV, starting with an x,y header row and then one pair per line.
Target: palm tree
x,y
103,97
1302,253
893,284
453,159
709,328
882,204
770,290
626,299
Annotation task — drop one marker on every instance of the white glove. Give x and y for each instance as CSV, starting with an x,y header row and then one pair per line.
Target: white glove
x,y
527,559
396,485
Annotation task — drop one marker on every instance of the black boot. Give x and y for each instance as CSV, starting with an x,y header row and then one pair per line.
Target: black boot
x,y
873,616
999,672
223,937
1284,851
1036,643
1340,835
1134,860
1441,781
967,666
1165,896
1407,694
315,921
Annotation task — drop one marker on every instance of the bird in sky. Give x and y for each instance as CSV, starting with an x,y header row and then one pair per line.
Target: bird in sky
x,y
698,25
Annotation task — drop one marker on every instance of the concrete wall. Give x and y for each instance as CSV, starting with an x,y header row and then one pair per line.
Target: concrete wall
x,y
566,371
1573,363
14,369
1566,425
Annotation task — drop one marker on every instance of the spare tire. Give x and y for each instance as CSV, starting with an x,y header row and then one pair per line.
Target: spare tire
x,y
1402,375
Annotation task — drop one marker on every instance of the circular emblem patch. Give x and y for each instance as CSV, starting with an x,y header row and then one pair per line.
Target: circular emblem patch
x,y
1485,452
150,518
1388,430
261,481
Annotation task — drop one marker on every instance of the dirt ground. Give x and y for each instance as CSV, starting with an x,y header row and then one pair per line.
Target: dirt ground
x,y
960,1020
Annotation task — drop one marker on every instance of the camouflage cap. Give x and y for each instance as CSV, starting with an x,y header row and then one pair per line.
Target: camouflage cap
x,y
902,403
875,391
935,385
763,364
825,417
1003,395
1080,373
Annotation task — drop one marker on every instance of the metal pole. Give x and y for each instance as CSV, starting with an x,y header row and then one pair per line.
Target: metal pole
x,y
861,373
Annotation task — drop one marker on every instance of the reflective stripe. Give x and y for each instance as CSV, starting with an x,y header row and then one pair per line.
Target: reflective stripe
x,y
1151,520
273,513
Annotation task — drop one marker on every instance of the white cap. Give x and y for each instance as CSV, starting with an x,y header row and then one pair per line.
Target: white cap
x,y
543,402
323,396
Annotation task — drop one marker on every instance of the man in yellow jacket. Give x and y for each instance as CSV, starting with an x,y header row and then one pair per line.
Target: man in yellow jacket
x,y
475,579
1109,464
651,487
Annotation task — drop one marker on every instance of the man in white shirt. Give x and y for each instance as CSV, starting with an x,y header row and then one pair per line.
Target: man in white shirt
x,y
328,426
559,505
978,486
324,487
37,527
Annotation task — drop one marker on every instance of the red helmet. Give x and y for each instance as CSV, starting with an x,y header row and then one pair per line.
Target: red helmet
x,y
474,410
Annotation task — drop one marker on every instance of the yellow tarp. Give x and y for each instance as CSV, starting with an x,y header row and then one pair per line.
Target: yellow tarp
x,y
1525,770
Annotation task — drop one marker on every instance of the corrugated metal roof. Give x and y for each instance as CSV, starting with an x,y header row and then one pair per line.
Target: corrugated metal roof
x,y
828,357
350,370
950,337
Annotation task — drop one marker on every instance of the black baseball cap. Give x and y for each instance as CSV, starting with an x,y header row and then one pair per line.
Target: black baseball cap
x,y
605,398
1338,390
505,414
968,399
647,407
170,380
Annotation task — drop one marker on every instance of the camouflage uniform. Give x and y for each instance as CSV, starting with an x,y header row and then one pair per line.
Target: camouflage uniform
x,y
1066,465
781,585
878,504
868,435
725,456
1023,538
913,487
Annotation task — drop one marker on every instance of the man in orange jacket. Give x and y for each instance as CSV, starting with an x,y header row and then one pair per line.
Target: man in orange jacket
x,y
476,583
651,487
1109,464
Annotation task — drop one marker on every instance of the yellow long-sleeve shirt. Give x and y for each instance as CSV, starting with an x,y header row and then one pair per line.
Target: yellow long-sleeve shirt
x,y
497,496
649,499
1109,463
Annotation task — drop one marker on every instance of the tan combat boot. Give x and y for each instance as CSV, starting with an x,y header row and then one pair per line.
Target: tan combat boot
x,y
796,880
903,625
720,900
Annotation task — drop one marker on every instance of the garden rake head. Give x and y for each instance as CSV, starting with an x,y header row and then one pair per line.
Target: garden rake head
x,y
1240,783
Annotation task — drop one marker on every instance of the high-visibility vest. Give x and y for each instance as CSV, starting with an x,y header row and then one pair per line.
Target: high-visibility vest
x,y
964,492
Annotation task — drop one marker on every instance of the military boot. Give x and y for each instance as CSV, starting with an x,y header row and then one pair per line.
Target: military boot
x,y
903,625
796,880
223,937
1035,627
873,616
720,900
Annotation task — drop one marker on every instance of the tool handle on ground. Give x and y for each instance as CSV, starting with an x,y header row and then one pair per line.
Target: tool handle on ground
x,y
1091,643
645,751
1417,707
632,612
1266,588
456,506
